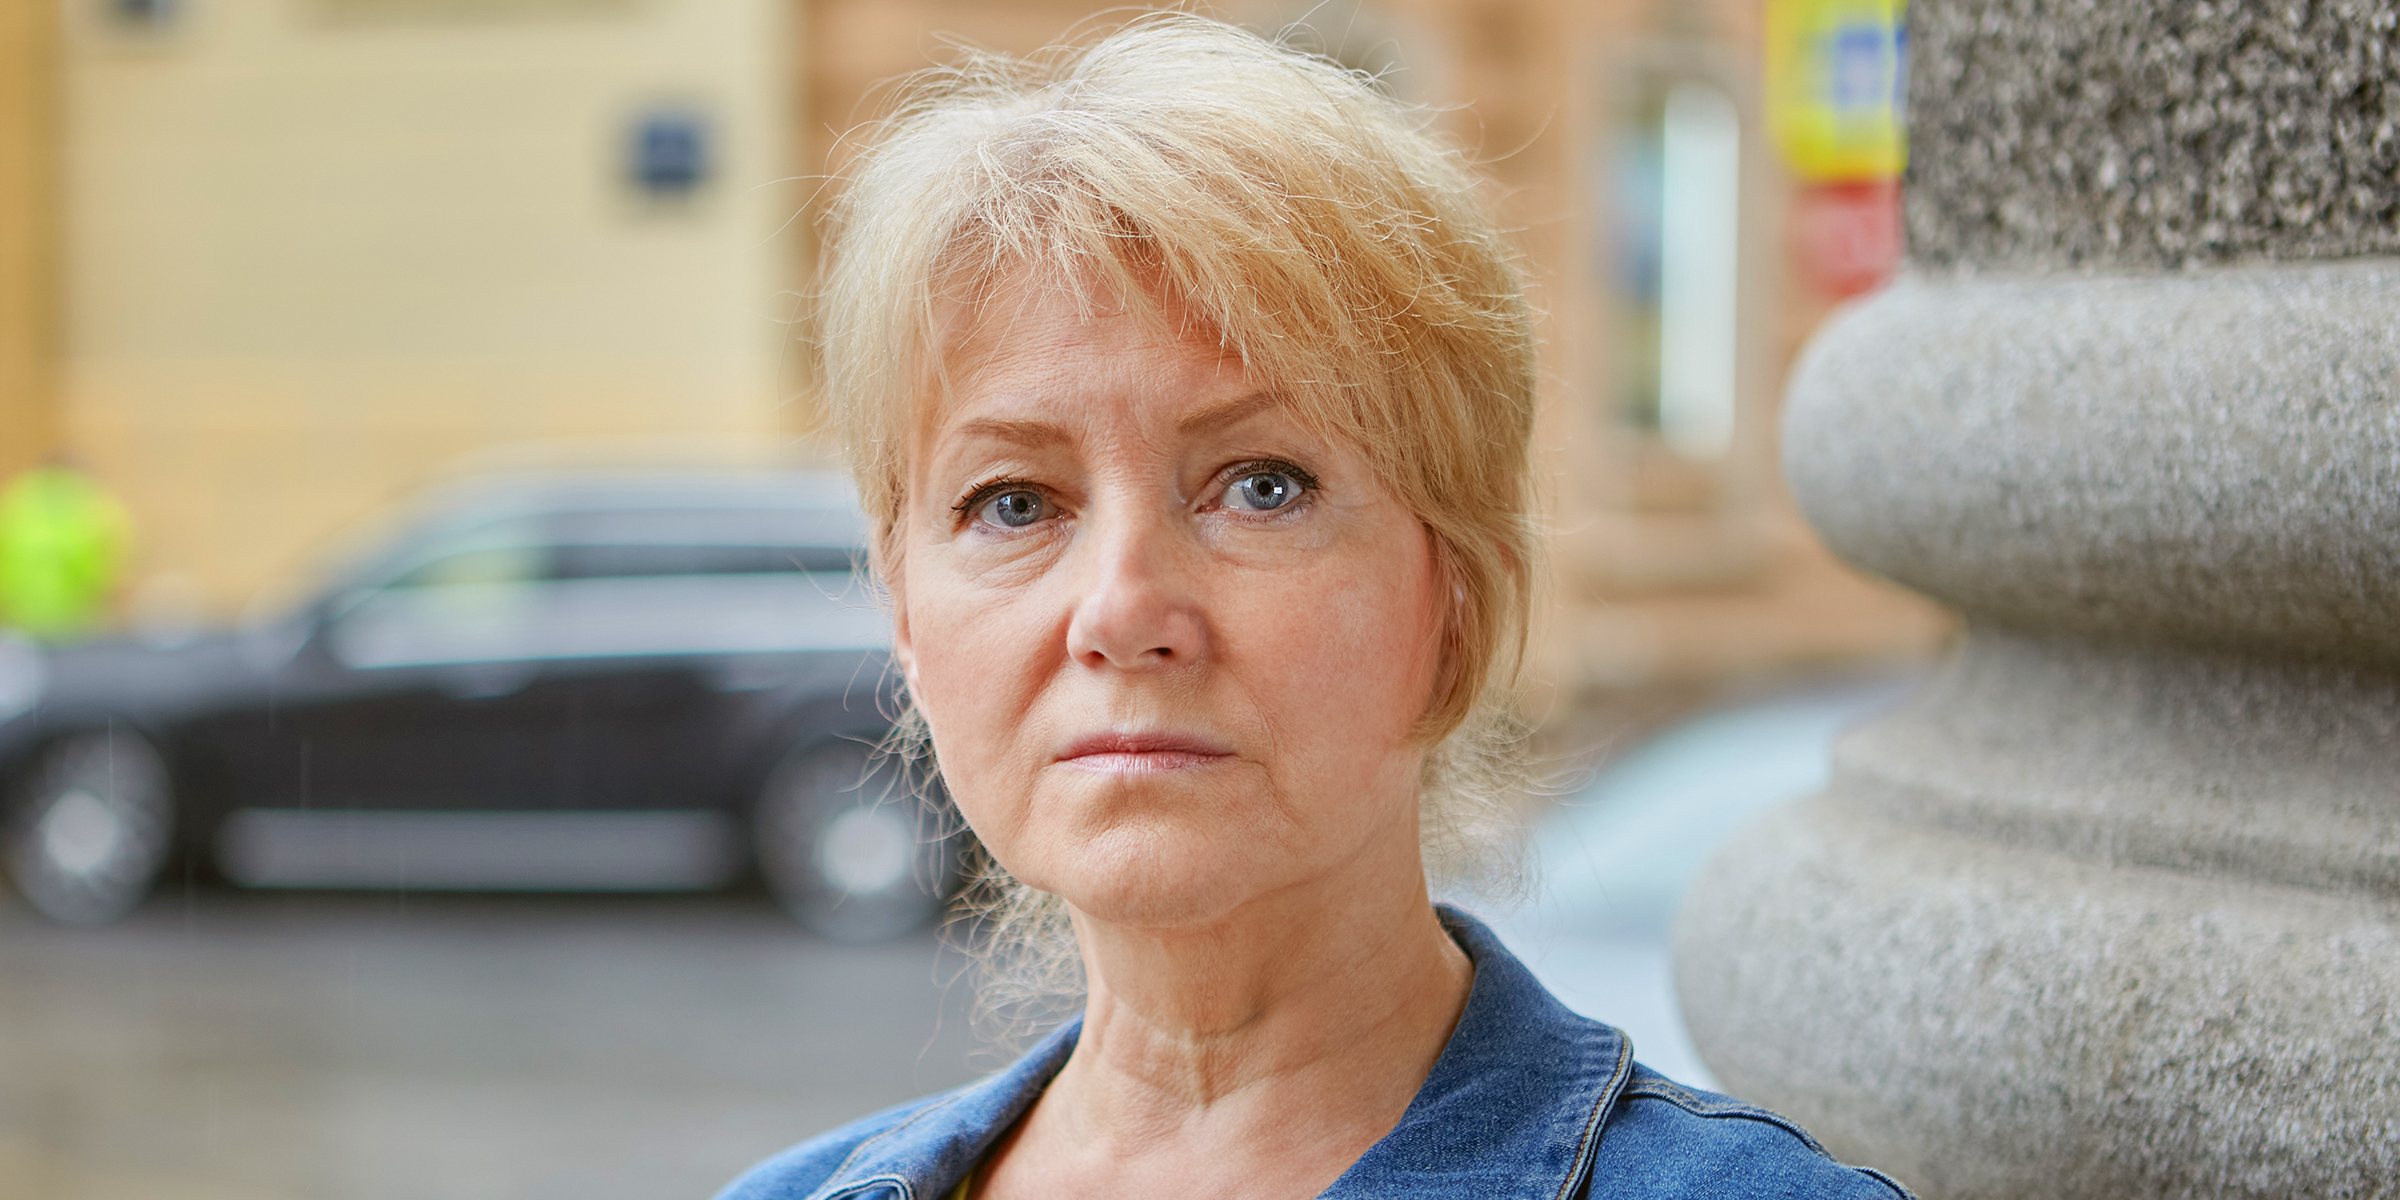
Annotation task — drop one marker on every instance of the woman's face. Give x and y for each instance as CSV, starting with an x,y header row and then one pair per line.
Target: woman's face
x,y
1171,644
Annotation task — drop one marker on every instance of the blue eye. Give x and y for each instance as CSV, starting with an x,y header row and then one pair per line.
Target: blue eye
x,y
1015,509
1262,491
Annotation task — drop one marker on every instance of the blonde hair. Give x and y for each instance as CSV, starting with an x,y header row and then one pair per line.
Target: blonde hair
x,y
1318,229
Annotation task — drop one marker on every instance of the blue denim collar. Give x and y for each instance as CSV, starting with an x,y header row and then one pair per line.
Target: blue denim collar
x,y
1513,1107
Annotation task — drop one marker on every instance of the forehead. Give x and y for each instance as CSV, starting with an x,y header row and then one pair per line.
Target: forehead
x,y
1073,354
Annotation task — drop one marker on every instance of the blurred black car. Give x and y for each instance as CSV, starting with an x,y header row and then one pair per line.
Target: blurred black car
x,y
593,680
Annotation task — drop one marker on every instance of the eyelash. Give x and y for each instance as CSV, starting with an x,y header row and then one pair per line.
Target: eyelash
x,y
1270,466
982,493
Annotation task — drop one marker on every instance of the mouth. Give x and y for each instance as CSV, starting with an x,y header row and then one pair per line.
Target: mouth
x,y
1142,753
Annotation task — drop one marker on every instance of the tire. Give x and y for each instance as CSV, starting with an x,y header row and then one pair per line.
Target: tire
x,y
849,852
88,826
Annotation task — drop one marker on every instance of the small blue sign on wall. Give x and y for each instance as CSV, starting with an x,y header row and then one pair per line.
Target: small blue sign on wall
x,y
144,14
668,152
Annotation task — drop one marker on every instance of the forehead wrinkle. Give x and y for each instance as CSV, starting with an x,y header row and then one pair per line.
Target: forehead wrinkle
x,y
1014,372
1005,346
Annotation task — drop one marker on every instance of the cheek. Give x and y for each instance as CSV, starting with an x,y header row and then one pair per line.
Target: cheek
x,y
1353,652
974,669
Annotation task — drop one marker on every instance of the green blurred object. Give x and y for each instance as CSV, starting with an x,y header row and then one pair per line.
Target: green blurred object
x,y
63,541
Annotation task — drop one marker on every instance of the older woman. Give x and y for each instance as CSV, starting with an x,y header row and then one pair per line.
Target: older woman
x,y
1190,394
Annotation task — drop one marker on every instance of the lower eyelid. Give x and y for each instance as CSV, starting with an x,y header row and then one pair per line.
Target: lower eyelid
x,y
1295,504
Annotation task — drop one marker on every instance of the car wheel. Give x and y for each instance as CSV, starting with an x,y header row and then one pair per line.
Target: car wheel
x,y
849,851
88,826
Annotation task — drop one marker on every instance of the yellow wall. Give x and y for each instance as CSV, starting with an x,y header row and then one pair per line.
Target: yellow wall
x,y
28,181
315,248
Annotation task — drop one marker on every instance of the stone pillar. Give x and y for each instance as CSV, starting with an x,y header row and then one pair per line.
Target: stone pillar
x,y
2112,908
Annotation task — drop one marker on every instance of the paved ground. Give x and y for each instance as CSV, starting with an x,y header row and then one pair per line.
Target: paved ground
x,y
353,1047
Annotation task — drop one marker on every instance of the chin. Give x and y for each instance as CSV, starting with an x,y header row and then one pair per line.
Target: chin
x,y
1162,879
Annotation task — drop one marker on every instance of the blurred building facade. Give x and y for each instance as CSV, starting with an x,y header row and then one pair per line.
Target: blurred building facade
x,y
272,262
28,239
314,249
1680,561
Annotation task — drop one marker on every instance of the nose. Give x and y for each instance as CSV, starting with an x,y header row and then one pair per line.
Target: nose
x,y
1137,608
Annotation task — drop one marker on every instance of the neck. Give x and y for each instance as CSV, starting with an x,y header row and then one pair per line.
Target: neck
x,y
1297,1022
1276,980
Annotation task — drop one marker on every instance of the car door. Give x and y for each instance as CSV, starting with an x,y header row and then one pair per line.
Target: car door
x,y
411,693
662,622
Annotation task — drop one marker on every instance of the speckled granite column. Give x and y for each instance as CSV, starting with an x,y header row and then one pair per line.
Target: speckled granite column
x,y
2112,908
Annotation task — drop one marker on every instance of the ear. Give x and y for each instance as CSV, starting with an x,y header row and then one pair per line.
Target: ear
x,y
904,652
879,563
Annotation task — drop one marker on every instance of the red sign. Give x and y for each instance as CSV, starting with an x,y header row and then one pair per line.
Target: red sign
x,y
1845,237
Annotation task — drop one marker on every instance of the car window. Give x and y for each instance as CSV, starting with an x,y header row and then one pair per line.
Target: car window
x,y
488,556
701,525
483,566
639,543
624,560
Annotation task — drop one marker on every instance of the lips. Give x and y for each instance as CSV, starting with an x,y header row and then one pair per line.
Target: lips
x,y
1130,753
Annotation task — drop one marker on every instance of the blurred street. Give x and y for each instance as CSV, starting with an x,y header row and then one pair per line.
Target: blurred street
x,y
366,1047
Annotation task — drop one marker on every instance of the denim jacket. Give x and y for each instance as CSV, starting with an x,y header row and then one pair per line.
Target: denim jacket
x,y
1527,1100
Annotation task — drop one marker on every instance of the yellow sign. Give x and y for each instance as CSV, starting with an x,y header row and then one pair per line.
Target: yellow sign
x,y
1836,78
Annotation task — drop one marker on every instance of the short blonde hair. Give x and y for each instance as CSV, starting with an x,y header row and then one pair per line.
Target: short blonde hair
x,y
1312,223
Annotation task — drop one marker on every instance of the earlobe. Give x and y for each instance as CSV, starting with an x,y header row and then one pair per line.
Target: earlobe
x,y
904,652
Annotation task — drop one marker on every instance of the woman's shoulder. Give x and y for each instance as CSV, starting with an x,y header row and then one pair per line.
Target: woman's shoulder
x,y
804,1168
1682,1141
917,1148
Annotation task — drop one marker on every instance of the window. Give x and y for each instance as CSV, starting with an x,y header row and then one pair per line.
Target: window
x,y
1674,200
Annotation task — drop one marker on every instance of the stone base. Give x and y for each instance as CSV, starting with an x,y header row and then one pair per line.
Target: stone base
x,y
1997,1023
2111,909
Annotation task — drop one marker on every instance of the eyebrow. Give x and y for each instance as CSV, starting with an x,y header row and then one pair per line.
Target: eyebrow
x,y
1029,434
1033,434
1230,412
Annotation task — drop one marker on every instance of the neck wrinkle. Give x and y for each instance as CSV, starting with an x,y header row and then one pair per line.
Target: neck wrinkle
x,y
1261,1016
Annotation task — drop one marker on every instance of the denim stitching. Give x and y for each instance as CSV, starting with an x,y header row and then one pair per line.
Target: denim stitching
x,y
906,1192
1688,1101
1742,1112
1662,1088
1897,1189
1587,1151
834,1183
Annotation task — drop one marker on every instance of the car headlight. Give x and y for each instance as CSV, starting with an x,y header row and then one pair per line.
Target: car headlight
x,y
23,674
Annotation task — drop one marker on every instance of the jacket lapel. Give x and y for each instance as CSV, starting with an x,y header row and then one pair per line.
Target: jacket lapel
x,y
1515,1104
938,1144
